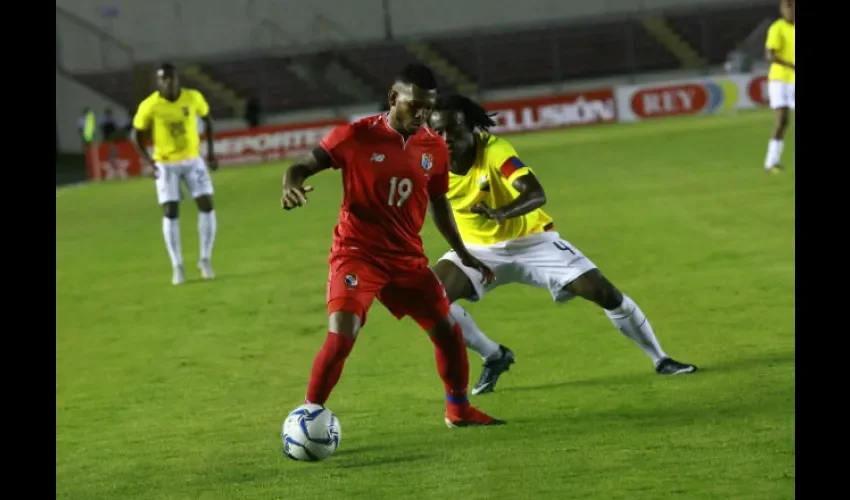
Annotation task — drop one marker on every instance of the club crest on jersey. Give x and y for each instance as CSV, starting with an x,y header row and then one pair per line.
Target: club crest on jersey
x,y
350,280
185,110
427,161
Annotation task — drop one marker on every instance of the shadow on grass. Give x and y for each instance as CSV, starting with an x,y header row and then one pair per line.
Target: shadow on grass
x,y
769,360
359,461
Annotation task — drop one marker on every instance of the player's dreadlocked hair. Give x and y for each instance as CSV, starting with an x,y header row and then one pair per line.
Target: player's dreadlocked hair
x,y
476,117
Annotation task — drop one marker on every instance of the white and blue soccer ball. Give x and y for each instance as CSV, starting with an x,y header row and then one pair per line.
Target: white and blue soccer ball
x,y
310,433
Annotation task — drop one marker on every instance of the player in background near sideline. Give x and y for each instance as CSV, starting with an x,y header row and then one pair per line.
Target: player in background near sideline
x,y
170,115
393,170
497,203
780,80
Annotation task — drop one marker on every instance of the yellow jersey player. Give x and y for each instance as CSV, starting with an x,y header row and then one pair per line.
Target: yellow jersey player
x,y
780,80
170,117
497,200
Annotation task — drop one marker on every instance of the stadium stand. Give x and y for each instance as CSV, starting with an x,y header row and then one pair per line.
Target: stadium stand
x,y
522,56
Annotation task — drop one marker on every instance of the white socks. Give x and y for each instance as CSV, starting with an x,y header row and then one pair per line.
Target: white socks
x,y
630,320
171,233
206,231
473,336
774,153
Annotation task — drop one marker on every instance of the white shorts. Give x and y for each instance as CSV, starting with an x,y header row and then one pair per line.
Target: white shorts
x,y
192,171
541,260
780,94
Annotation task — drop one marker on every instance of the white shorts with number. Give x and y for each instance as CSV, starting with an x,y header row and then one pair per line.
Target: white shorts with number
x,y
541,260
781,94
192,171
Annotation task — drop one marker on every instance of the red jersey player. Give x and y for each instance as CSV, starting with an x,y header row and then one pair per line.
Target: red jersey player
x,y
393,169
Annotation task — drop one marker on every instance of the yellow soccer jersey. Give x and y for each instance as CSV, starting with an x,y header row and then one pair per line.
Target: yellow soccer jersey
x,y
174,124
780,39
490,180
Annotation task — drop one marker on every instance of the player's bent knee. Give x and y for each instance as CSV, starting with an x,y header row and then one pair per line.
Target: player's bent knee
x,y
455,281
205,203
595,287
345,317
170,210
607,295
437,327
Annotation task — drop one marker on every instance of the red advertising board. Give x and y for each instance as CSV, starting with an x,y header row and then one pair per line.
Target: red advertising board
x,y
558,111
268,143
757,90
275,142
684,99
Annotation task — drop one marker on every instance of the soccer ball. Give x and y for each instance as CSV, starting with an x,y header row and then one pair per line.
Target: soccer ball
x,y
310,433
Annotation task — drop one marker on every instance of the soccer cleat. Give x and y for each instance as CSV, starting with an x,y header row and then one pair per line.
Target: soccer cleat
x,y
472,417
493,370
669,366
179,276
206,270
774,170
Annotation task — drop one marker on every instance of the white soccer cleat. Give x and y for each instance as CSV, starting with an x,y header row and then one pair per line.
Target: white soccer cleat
x,y
179,276
206,270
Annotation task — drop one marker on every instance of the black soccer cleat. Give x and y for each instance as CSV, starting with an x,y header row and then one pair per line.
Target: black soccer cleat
x,y
493,370
669,366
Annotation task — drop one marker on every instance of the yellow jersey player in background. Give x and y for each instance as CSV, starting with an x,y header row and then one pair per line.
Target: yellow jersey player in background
x,y
497,200
170,117
780,80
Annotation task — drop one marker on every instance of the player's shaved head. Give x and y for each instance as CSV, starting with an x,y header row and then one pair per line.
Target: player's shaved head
x,y
167,81
166,69
418,75
786,7
412,98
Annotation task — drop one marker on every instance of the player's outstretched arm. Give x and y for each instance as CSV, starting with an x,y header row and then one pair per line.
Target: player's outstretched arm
x,y
441,212
531,197
294,190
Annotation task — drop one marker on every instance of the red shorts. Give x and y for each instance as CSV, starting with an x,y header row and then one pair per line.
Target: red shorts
x,y
405,289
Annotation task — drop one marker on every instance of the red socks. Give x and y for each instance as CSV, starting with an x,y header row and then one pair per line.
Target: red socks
x,y
327,367
453,367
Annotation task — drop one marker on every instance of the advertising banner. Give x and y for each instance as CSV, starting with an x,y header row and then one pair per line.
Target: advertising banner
x,y
118,160
706,95
552,112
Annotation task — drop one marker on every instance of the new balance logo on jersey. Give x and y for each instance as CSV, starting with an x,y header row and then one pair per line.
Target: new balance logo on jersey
x,y
378,157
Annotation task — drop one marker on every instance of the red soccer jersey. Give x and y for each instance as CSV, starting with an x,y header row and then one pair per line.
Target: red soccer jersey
x,y
387,183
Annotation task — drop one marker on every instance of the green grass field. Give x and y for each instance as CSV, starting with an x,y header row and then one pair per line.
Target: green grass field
x,y
167,392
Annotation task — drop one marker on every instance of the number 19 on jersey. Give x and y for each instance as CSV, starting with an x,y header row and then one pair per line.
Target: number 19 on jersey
x,y
399,191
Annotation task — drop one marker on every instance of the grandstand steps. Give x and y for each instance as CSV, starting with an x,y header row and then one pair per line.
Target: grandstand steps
x,y
195,75
448,71
664,33
336,77
142,82
348,83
